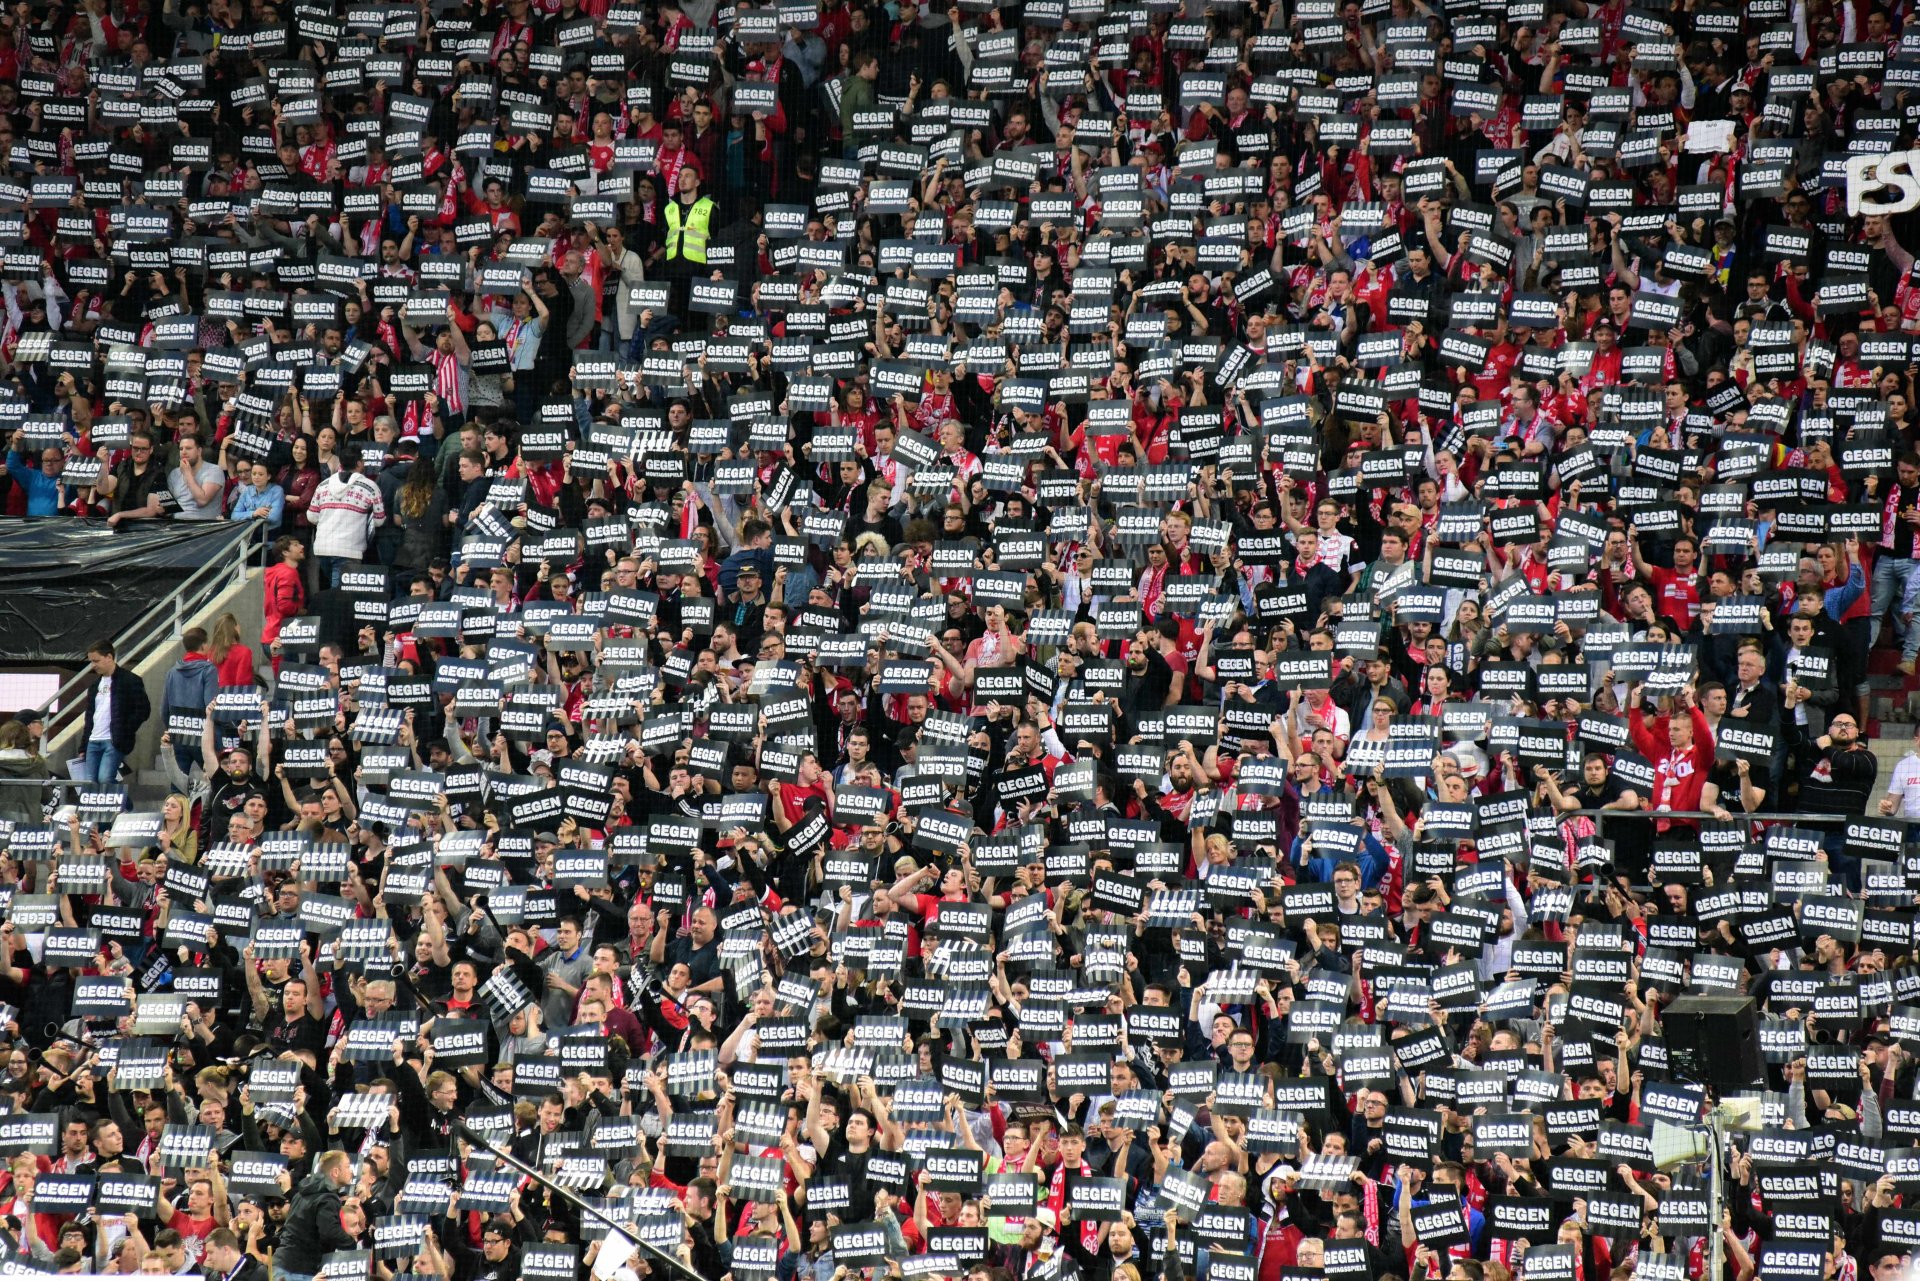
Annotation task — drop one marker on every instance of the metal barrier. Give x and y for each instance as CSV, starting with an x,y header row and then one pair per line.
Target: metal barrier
x,y
162,622
1603,817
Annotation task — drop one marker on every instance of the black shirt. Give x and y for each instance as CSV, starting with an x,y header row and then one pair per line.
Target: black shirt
x,y
842,1162
229,797
132,489
1904,499
303,1033
703,963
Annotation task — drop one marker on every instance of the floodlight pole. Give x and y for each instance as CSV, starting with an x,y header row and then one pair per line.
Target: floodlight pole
x,y
654,1254
1716,1193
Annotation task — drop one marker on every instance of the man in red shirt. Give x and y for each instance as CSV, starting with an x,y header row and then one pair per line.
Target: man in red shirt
x,y
953,889
206,1209
1681,749
793,798
1676,591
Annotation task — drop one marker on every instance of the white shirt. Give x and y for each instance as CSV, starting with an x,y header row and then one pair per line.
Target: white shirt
x,y
344,510
1336,549
1905,786
1800,709
103,712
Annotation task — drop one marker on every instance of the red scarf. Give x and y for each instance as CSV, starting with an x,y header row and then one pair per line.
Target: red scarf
x,y
1151,588
1057,1201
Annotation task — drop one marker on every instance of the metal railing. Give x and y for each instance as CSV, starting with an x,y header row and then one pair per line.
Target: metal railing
x,y
1798,818
161,623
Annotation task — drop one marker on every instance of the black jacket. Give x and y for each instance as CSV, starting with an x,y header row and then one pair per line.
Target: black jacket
x,y
131,707
249,1270
1762,704
312,1230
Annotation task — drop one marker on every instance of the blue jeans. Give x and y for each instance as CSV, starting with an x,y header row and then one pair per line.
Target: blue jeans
x,y
331,567
1906,605
1842,865
281,1274
103,762
1891,576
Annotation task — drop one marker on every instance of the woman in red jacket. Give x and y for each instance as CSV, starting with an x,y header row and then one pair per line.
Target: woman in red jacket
x,y
231,656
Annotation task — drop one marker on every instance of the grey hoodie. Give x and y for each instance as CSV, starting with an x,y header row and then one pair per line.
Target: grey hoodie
x,y
191,685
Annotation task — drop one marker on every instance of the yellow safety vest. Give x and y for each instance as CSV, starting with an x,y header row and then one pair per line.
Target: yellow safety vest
x,y
689,241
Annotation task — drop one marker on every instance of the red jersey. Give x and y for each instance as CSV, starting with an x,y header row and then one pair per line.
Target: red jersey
x,y
1676,596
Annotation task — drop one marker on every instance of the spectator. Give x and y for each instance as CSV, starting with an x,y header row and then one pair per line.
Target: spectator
x,y
315,1224
345,509
189,687
117,707
259,499
1840,781
45,493
135,484
1903,789
19,763
284,590
199,488
232,658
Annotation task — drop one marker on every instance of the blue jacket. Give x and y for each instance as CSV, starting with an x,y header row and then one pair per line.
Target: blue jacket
x,y
1370,857
246,501
43,491
1840,599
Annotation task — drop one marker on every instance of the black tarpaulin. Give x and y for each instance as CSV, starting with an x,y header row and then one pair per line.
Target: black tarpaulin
x,y
65,584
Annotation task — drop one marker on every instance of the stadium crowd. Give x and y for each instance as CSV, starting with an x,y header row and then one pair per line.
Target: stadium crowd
x,y
1085,639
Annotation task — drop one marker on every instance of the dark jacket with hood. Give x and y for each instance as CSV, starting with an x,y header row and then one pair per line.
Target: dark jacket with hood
x,y
131,708
21,804
191,684
313,1229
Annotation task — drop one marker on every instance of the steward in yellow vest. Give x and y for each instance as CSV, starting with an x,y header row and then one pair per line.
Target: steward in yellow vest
x,y
689,222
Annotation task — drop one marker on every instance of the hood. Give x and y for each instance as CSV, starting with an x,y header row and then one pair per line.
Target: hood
x,y
319,1182
194,663
15,763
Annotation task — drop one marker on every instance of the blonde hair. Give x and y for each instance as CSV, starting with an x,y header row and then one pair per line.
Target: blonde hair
x,y
213,1083
186,812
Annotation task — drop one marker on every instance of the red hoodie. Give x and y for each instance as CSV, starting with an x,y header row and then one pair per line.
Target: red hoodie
x,y
1679,774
